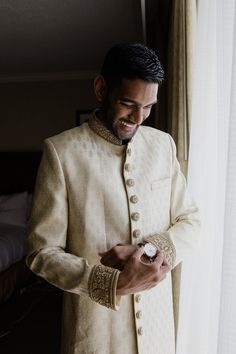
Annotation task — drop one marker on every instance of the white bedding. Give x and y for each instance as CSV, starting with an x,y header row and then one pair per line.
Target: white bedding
x,y
14,215
12,244
14,209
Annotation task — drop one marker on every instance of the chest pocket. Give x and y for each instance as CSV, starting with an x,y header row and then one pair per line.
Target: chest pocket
x,y
160,184
160,204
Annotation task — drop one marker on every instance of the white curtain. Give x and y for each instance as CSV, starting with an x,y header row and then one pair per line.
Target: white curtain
x,y
208,294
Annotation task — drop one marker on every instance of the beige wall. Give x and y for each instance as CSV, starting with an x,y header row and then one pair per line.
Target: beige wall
x,y
30,112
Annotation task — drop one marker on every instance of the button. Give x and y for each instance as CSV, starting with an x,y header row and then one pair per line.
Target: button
x,y
139,315
128,167
134,199
136,233
130,182
138,298
135,216
129,151
140,331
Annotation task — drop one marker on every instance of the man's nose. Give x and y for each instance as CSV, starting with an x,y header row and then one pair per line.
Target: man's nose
x,y
138,115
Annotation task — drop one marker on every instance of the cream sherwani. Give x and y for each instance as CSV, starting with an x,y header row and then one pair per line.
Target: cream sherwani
x,y
92,192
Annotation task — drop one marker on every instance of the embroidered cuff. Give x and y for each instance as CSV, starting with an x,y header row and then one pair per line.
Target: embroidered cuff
x,y
163,243
102,285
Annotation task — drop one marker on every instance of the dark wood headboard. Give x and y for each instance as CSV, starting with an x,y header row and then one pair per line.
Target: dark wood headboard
x,y
18,171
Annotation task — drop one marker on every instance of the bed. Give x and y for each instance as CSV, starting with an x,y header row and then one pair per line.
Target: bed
x,y
30,308
17,180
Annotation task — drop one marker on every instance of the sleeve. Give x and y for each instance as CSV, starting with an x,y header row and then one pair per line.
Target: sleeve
x,y
47,256
182,236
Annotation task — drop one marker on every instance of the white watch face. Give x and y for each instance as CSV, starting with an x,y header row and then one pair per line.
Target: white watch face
x,y
150,250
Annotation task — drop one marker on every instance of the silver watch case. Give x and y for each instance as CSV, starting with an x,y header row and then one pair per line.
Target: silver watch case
x,y
150,250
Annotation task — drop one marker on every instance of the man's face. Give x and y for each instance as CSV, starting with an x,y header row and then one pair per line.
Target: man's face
x,y
128,106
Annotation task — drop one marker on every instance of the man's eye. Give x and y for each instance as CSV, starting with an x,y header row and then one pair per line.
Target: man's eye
x,y
126,104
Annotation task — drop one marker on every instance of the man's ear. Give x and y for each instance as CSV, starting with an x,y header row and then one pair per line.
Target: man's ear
x,y
100,87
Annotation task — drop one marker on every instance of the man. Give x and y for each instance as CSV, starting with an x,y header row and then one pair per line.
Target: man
x,y
112,216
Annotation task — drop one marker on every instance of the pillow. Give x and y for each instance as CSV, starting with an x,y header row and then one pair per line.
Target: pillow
x,y
29,206
13,209
12,245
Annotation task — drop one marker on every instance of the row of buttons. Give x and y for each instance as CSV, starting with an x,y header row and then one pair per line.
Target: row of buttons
x,y
130,182
136,233
139,314
135,216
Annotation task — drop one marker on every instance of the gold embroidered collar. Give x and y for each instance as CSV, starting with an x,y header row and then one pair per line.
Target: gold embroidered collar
x,y
99,128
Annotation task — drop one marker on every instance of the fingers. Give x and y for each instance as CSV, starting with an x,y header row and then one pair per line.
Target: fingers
x,y
114,257
161,262
107,259
138,253
117,257
165,266
159,259
101,254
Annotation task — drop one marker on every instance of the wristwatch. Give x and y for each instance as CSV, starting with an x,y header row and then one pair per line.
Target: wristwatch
x,y
150,251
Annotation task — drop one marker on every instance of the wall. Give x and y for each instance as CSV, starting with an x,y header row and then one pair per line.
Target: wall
x,y
30,112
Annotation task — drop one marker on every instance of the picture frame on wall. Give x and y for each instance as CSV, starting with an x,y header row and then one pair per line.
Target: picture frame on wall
x,y
82,116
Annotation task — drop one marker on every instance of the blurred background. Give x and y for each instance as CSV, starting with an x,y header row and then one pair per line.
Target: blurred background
x,y
51,52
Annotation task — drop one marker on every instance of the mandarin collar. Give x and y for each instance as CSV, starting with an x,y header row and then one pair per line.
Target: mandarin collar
x,y
99,128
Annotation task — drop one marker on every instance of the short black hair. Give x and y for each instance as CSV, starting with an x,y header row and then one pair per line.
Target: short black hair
x,y
131,61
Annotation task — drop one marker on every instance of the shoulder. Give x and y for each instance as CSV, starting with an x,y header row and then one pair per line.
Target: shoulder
x,y
150,131
154,136
69,135
155,141
69,139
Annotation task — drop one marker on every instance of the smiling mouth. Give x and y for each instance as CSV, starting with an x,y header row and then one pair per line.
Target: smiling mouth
x,y
127,124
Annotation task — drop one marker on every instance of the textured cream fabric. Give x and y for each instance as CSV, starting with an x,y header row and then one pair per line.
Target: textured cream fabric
x,y
83,205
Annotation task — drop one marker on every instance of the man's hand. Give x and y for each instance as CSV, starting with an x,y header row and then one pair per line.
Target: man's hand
x,y
117,256
139,274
